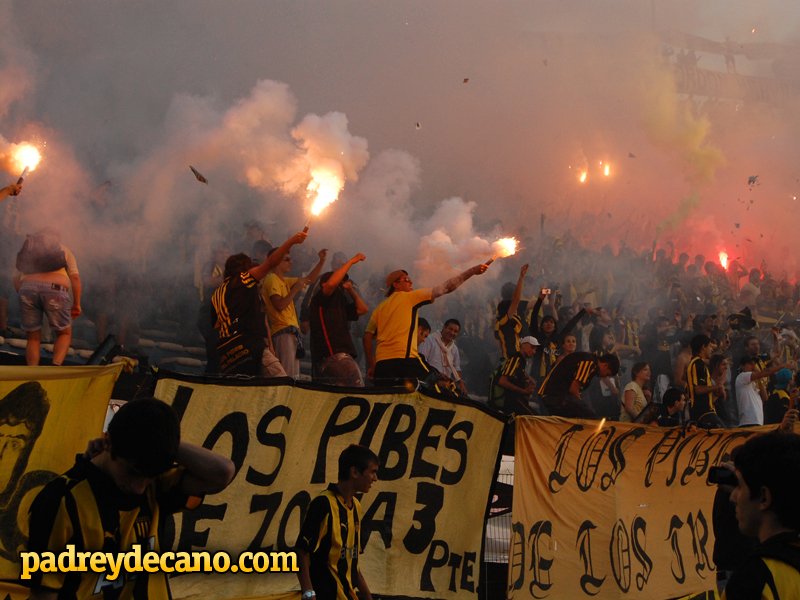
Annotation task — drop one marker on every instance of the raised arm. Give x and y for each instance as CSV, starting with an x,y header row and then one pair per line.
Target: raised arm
x,y
338,275
533,325
454,282
361,306
274,259
512,309
312,276
206,472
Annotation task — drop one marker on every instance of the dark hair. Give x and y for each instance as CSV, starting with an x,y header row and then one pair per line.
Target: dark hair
x,y
639,366
452,322
502,308
422,323
549,318
715,361
356,456
671,396
145,432
748,339
772,460
237,263
612,361
261,248
699,342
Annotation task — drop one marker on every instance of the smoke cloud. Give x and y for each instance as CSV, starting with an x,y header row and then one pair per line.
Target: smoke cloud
x,y
451,124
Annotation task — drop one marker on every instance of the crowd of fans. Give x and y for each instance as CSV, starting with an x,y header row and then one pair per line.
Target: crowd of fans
x,y
645,308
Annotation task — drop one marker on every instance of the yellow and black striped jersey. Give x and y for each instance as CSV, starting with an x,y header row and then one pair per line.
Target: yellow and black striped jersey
x,y
331,534
578,366
85,508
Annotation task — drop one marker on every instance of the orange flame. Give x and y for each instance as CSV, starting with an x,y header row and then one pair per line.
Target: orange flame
x,y
324,189
582,177
505,247
723,259
26,156
607,170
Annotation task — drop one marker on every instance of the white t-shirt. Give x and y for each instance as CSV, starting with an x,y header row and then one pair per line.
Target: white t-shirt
x,y
751,407
445,359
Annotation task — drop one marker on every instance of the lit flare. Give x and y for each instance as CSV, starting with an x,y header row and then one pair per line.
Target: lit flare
x,y
323,189
723,259
26,157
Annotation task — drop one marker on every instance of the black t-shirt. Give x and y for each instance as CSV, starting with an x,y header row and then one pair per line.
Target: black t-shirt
x,y
580,366
330,318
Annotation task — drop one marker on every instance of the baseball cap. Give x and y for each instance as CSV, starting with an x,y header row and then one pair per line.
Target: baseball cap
x,y
392,277
529,339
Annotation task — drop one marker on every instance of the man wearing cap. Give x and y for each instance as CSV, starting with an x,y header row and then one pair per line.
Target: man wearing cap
x,y
393,326
334,305
511,388
748,399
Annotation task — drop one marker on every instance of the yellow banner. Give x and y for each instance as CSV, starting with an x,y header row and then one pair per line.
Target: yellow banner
x,y
422,526
47,416
618,511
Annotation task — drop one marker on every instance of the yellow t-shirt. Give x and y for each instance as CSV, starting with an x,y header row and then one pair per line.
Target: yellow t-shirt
x,y
272,285
394,324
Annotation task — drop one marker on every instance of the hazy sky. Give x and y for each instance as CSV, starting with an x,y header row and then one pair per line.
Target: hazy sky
x,y
252,92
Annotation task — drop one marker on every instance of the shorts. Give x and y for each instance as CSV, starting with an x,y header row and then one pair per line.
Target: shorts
x,y
37,298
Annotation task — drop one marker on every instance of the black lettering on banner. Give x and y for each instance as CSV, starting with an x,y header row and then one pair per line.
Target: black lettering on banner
x,y
699,459
616,454
458,444
467,582
394,442
539,565
369,522
516,558
439,555
590,583
190,538
269,504
181,400
300,500
432,561
454,563
436,418
619,550
661,452
272,440
640,527
235,424
678,451
676,565
590,456
556,478
423,527
731,438
378,410
333,429
699,528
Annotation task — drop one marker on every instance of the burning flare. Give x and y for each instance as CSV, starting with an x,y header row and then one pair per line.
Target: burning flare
x,y
606,170
582,177
505,247
723,259
323,189
26,157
